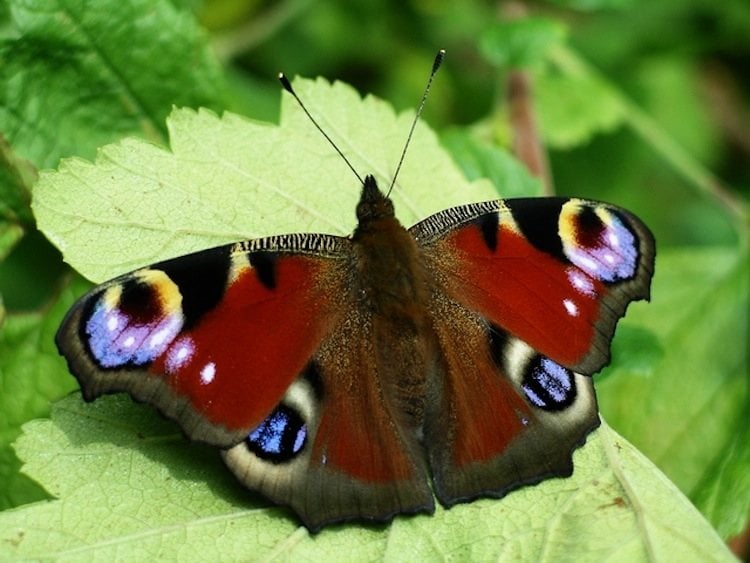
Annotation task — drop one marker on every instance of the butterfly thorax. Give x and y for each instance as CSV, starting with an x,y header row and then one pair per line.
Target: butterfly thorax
x,y
392,287
392,276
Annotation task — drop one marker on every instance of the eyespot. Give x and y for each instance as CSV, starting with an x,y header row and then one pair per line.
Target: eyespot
x,y
597,240
135,321
280,437
548,385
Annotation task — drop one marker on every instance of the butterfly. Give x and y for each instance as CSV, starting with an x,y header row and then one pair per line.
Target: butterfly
x,y
358,378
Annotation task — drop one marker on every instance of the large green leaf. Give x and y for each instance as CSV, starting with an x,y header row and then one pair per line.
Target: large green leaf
x,y
31,375
76,75
128,487
228,178
687,406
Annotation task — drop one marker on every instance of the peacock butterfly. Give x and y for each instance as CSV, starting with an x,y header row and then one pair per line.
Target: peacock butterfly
x,y
355,378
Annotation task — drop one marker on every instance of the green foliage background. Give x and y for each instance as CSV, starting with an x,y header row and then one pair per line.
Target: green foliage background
x,y
644,104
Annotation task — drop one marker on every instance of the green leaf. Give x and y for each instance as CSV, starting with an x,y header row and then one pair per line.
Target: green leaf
x,y
479,159
30,276
10,234
592,5
520,43
78,74
31,375
129,487
574,108
227,179
16,177
685,403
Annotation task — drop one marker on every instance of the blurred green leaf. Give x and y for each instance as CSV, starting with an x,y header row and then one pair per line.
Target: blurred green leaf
x,y
30,274
520,43
722,495
572,109
479,159
128,487
16,177
592,5
669,87
32,374
10,234
77,75
686,409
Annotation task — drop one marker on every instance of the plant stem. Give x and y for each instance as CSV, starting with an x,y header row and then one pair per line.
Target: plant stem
x,y
232,43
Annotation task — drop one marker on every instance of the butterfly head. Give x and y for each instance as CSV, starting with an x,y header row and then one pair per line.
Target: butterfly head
x,y
373,204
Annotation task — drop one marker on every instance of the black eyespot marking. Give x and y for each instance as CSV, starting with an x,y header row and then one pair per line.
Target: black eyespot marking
x,y
498,342
201,278
312,376
264,264
488,225
548,385
140,302
540,227
589,227
280,437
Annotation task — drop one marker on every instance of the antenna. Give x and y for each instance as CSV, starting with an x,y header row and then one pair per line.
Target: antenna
x,y
288,87
435,66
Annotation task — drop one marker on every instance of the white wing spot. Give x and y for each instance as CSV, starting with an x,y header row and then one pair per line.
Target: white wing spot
x,y
208,373
159,338
570,307
129,341
588,263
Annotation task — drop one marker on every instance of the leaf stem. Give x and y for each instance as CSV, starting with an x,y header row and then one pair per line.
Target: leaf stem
x,y
234,42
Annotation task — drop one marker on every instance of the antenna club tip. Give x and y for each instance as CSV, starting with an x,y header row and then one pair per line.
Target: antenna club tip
x,y
438,60
285,83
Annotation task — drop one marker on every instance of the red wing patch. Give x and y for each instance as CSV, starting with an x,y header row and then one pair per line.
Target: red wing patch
x,y
236,364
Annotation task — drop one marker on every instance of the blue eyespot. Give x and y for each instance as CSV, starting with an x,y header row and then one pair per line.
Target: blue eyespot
x,y
280,437
549,385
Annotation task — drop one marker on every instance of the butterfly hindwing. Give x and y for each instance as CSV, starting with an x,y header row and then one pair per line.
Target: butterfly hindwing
x,y
490,432
213,339
361,457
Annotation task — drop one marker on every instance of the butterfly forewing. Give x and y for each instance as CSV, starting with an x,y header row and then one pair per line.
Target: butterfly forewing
x,y
213,339
556,273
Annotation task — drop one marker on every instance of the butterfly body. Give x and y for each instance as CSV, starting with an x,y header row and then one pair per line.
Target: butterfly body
x,y
344,376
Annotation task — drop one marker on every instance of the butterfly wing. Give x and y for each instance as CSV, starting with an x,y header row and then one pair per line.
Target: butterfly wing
x,y
358,458
257,348
557,273
213,339
528,293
